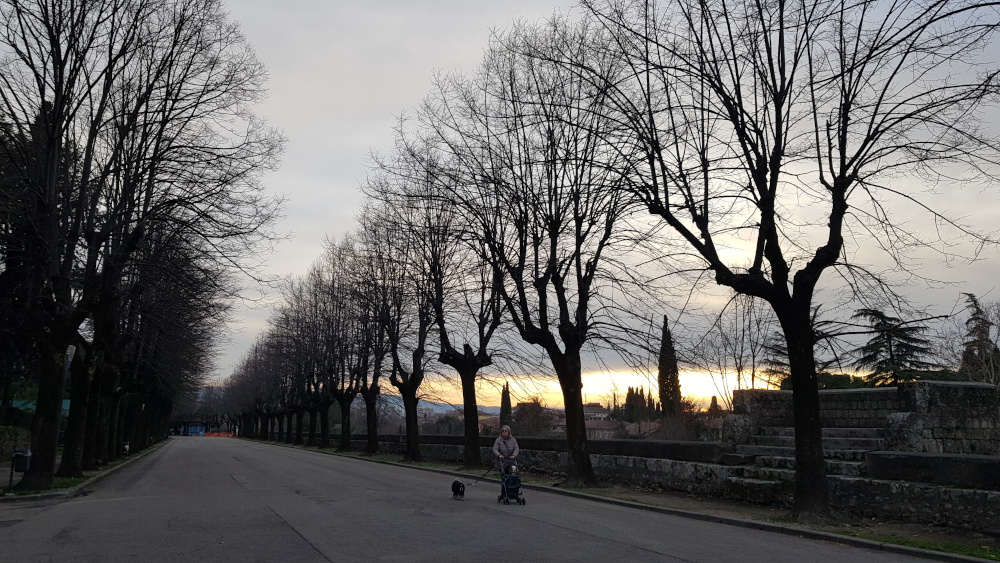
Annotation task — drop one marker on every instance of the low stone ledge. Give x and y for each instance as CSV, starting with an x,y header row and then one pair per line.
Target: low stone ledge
x,y
951,470
917,502
706,452
865,496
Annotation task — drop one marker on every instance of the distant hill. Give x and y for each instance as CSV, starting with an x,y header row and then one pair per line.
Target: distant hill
x,y
438,408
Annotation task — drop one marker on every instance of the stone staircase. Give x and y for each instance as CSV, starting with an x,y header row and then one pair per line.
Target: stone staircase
x,y
767,464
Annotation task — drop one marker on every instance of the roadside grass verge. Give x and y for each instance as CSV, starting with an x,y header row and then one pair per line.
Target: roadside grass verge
x,y
58,484
982,551
759,513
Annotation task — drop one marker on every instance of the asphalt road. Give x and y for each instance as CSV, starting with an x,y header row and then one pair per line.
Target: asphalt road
x,y
219,499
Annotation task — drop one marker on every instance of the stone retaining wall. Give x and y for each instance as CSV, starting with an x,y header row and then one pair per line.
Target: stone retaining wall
x,y
951,470
922,416
913,502
839,408
917,502
956,418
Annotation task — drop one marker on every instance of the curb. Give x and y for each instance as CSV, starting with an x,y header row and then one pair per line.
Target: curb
x,y
752,524
67,494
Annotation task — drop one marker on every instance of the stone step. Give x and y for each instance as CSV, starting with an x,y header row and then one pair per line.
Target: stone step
x,y
737,459
776,431
833,466
874,433
867,444
760,491
871,433
779,451
769,474
775,451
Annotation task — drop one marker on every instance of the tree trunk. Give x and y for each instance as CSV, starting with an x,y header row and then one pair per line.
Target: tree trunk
x,y
290,424
370,395
45,422
115,427
410,401
311,442
82,373
299,438
324,424
344,402
93,420
281,427
472,456
580,471
811,495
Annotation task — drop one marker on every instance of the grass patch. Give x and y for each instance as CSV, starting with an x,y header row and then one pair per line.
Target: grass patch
x,y
58,483
67,482
983,551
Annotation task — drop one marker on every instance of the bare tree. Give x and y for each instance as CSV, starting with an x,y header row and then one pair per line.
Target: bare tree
x,y
126,113
463,290
756,124
538,181
402,259
733,350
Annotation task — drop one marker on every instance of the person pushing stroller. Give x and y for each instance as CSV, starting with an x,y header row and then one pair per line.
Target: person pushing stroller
x,y
505,451
505,447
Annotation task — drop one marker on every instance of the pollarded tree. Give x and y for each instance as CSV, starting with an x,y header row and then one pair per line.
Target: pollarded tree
x,y
766,135
896,352
400,246
463,290
537,178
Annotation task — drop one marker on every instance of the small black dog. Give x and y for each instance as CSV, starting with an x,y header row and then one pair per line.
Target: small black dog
x,y
457,490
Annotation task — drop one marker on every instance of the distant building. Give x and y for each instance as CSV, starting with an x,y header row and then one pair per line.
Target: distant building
x,y
641,429
603,429
597,428
594,411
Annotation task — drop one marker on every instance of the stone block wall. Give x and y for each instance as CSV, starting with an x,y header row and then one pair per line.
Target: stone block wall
x,y
917,502
922,416
859,408
913,502
955,417
839,408
764,406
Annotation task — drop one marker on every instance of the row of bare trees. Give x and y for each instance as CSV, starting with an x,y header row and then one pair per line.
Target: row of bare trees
x,y
129,159
325,344
589,158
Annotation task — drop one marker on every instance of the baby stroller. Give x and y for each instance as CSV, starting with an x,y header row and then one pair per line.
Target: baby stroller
x,y
510,483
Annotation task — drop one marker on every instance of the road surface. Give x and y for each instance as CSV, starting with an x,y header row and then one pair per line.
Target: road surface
x,y
221,499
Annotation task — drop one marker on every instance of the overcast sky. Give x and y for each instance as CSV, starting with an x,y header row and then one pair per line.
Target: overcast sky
x,y
341,72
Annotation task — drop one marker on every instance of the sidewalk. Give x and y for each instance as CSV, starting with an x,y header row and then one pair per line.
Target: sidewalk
x,y
90,477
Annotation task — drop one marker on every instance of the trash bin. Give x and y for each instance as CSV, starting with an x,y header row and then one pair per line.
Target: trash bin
x,y
21,461
125,448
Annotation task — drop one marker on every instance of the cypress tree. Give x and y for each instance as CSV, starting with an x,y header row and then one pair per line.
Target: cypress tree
x,y
668,374
506,413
